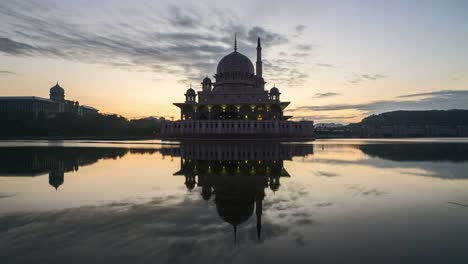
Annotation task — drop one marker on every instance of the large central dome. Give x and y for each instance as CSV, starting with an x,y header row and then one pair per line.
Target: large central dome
x,y
235,62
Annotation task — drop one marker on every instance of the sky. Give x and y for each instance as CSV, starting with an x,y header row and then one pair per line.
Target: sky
x,y
335,61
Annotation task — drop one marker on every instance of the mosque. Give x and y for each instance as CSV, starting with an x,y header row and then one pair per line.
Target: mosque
x,y
236,104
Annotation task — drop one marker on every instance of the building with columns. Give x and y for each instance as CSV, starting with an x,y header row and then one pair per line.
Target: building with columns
x,y
237,103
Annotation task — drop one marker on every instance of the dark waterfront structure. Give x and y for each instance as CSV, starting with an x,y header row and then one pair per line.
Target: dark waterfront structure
x,y
50,107
236,104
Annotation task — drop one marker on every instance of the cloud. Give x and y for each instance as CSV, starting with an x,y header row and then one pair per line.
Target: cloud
x,y
326,174
366,77
7,195
437,100
323,95
366,192
324,204
372,77
327,65
182,18
11,47
269,38
168,229
7,72
326,118
177,40
300,29
441,93
304,47
284,71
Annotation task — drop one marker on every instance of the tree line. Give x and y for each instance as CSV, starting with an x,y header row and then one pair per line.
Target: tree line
x,y
17,124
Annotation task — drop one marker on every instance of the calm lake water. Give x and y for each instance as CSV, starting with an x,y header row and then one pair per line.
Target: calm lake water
x,y
327,201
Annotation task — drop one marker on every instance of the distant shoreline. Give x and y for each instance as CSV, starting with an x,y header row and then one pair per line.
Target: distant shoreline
x,y
205,139
80,138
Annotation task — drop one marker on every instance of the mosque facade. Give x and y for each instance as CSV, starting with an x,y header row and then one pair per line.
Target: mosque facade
x,y
235,104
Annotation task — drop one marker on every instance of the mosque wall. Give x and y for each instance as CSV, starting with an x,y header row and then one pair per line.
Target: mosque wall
x,y
241,128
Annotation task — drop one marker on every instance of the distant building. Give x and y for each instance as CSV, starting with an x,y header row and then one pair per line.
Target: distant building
x,y
36,105
236,104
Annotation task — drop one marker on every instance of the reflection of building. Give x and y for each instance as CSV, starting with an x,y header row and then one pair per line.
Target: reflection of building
x,y
54,161
36,105
236,104
236,174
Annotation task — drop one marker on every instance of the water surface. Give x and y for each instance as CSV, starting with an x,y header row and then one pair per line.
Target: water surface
x,y
368,201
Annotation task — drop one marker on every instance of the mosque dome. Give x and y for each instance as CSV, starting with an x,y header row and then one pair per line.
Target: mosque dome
x,y
190,91
57,90
56,179
274,90
57,93
235,62
235,212
206,80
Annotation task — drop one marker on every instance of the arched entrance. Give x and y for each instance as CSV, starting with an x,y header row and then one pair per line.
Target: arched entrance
x,y
202,113
260,112
231,112
188,113
217,112
276,113
245,112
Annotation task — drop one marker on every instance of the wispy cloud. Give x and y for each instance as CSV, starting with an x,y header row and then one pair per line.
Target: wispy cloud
x,y
176,40
11,47
441,93
323,95
7,72
326,65
326,118
441,100
366,77
304,47
300,29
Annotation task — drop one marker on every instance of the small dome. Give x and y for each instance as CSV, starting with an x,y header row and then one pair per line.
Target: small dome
x,y
206,80
274,90
57,90
235,62
190,91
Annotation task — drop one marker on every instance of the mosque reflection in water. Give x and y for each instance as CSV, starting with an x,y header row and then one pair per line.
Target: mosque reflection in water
x,y
237,175
233,176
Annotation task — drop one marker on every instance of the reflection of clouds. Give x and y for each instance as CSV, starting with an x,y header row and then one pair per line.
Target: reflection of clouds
x,y
325,204
187,230
289,207
358,190
443,170
326,174
7,195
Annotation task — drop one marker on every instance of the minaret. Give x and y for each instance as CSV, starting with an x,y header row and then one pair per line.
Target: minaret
x,y
259,59
235,42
